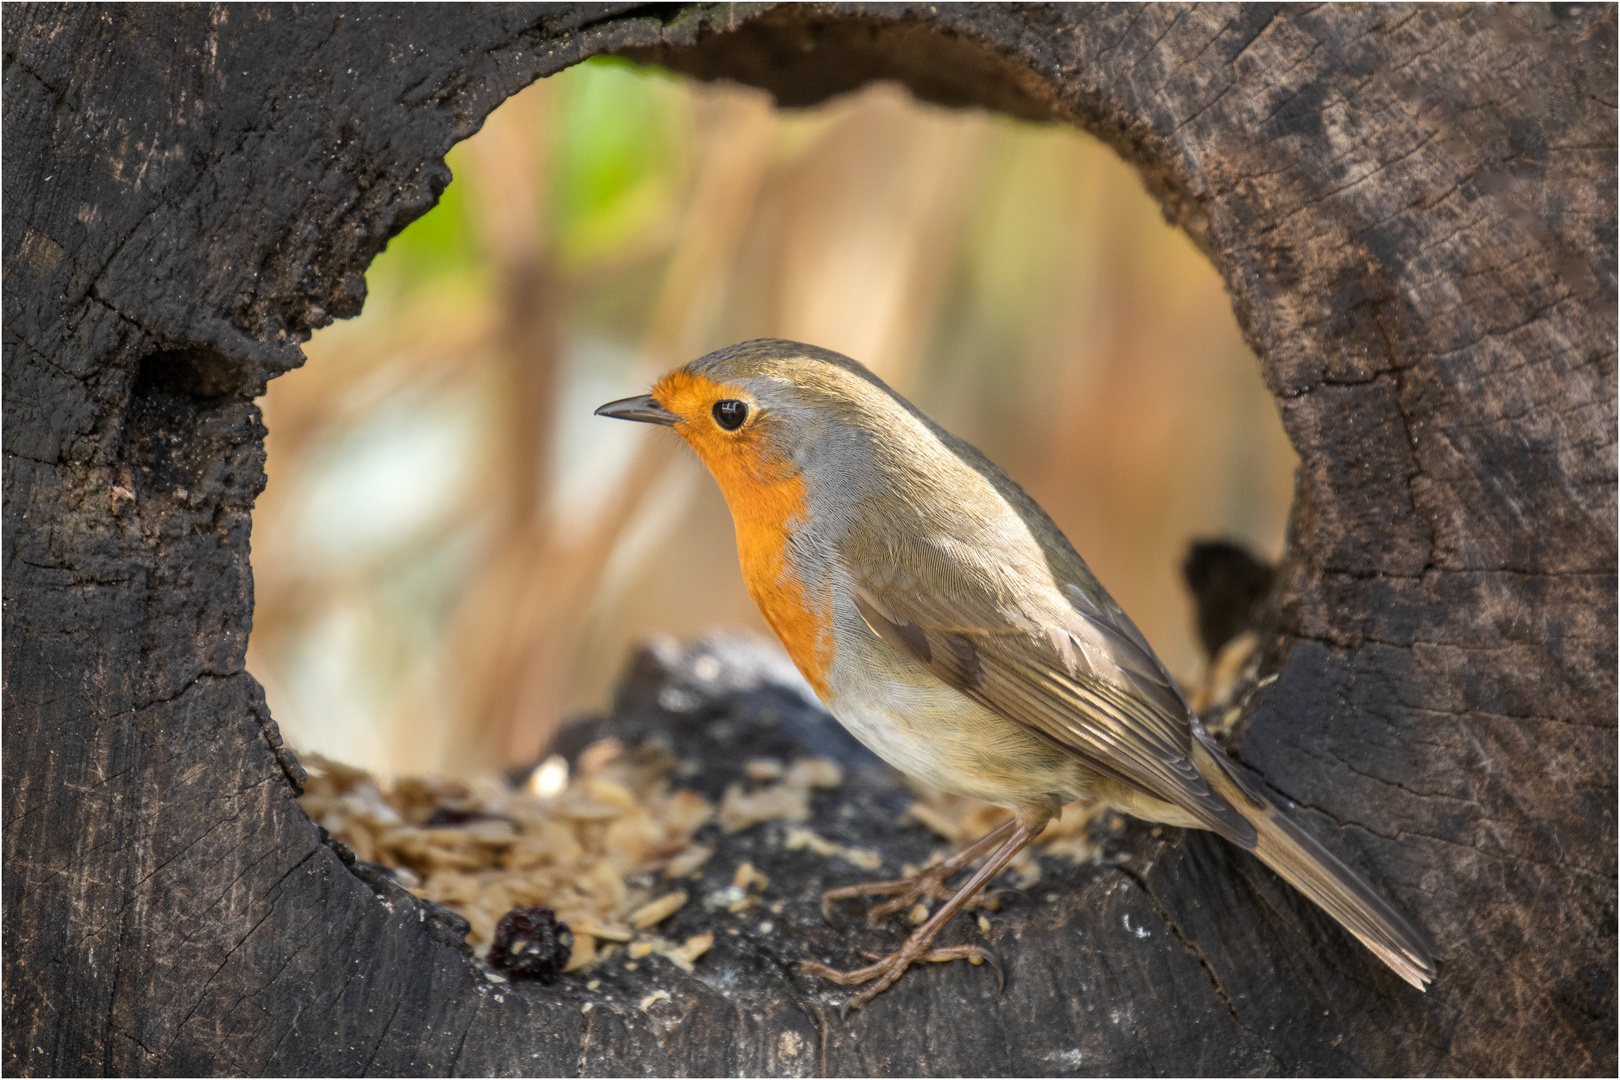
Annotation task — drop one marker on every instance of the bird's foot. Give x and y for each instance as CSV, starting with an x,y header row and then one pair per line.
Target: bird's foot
x,y
1007,839
884,971
904,893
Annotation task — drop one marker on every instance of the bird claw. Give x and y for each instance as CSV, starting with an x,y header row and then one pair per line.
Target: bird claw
x,y
903,893
862,888
865,888
1003,842
973,954
883,971
924,884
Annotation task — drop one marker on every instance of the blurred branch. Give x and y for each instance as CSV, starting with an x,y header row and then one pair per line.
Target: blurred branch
x,y
864,225
515,630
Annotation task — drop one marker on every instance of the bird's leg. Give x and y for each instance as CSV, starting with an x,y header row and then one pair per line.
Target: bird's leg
x,y
882,973
929,882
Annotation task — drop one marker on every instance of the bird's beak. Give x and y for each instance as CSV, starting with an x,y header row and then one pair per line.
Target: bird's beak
x,y
641,408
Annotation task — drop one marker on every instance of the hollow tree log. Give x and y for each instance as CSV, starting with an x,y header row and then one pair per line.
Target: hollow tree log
x,y
1414,211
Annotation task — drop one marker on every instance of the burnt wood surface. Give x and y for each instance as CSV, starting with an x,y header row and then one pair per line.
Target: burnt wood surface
x,y
1414,211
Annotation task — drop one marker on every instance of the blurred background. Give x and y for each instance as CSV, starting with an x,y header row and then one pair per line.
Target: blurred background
x,y
452,555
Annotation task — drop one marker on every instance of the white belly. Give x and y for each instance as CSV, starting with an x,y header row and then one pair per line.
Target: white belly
x,y
906,731
936,735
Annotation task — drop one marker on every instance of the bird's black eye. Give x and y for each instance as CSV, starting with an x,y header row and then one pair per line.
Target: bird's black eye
x,y
730,414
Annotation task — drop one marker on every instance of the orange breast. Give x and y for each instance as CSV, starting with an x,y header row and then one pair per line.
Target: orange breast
x,y
800,619
767,501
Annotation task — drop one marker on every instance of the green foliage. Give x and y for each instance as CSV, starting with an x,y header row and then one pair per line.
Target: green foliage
x,y
619,139
619,158
436,249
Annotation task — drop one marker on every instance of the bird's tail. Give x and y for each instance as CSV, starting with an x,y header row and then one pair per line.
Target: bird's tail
x,y
1314,871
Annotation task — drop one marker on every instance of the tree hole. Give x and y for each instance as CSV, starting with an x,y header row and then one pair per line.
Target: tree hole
x,y
453,555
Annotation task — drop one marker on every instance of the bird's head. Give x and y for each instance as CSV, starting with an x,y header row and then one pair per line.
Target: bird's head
x,y
765,411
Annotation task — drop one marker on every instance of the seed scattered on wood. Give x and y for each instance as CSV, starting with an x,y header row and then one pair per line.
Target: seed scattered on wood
x,y
799,839
763,769
696,945
549,778
485,848
815,772
740,810
789,799
599,755
747,877
656,911
688,862
584,952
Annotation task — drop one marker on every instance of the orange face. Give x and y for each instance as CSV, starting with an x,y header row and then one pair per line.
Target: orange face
x,y
766,495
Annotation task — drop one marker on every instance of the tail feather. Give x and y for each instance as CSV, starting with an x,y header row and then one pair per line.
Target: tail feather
x,y
1316,872
1338,890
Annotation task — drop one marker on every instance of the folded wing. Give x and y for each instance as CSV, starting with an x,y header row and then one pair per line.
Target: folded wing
x,y
1078,673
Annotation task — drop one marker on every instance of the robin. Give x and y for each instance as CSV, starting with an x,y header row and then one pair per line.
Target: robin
x,y
946,622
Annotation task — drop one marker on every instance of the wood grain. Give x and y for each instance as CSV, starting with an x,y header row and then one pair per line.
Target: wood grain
x,y
1414,211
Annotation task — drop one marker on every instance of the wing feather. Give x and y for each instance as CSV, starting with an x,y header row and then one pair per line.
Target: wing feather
x,y
1086,680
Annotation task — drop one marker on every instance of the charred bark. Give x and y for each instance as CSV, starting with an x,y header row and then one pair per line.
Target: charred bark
x,y
1414,210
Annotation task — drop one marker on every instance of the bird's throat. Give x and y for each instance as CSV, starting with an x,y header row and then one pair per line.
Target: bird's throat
x,y
799,611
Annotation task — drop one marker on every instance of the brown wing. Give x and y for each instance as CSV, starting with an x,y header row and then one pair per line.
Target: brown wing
x,y
1082,676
